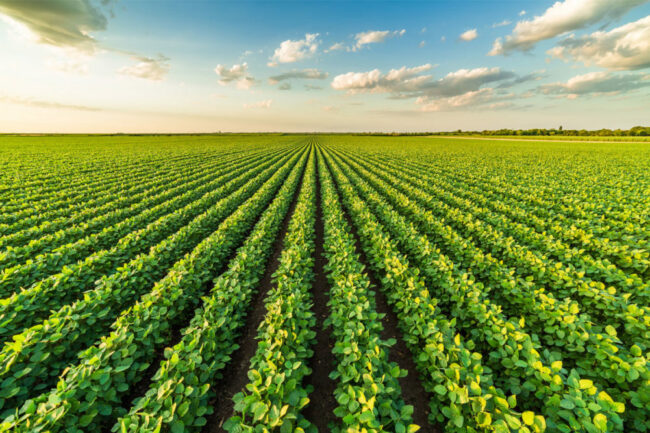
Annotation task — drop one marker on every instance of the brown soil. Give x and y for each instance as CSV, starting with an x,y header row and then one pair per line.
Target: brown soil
x,y
413,391
320,410
140,388
235,376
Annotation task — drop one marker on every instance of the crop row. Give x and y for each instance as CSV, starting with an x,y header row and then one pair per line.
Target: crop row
x,y
72,229
44,265
46,348
560,326
603,302
367,392
29,229
92,392
29,209
180,392
521,357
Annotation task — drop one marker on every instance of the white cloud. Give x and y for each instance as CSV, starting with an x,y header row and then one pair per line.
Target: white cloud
x,y
237,74
293,51
410,82
357,81
259,104
461,88
61,23
560,18
443,38
69,25
623,48
597,83
422,44
469,35
305,74
375,37
501,24
372,37
467,80
522,13
148,68
336,47
396,80
471,99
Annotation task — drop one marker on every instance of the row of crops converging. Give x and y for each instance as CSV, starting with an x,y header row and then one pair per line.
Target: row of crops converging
x,y
284,283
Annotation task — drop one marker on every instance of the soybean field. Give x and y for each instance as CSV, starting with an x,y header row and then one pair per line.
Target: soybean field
x,y
323,283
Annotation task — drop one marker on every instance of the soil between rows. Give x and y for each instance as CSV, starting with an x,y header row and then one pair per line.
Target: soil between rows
x,y
320,410
235,375
413,391
140,388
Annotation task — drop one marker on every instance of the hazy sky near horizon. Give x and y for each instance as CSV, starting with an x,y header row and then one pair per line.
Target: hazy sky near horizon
x,y
183,66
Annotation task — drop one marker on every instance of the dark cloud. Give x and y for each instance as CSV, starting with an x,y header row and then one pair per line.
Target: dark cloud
x,y
305,74
61,23
597,83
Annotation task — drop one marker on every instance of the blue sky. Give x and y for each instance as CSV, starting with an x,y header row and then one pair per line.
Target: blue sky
x,y
183,66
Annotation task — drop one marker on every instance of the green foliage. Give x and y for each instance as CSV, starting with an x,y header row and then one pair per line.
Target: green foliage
x,y
519,274
111,366
275,395
184,379
368,391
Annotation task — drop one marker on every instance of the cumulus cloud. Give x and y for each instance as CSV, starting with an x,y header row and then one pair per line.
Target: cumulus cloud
x,y
148,68
468,80
563,16
455,90
69,25
396,80
284,86
483,98
623,48
469,35
293,51
411,82
237,74
259,104
597,83
61,23
305,74
375,37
